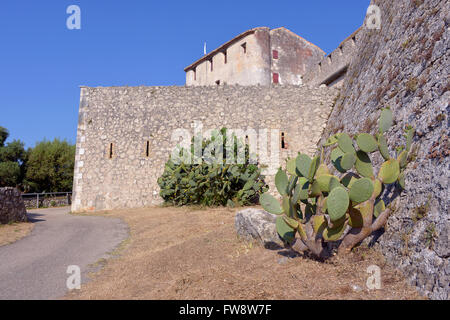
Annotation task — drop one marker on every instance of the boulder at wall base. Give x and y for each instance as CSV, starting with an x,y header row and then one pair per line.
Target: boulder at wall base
x,y
258,225
12,207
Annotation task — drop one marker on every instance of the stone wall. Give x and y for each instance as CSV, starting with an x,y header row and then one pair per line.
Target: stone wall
x,y
46,202
331,70
295,56
249,59
112,169
12,208
405,65
249,66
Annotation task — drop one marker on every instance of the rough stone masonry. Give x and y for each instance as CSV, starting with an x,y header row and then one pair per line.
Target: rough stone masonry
x,y
12,208
125,133
405,66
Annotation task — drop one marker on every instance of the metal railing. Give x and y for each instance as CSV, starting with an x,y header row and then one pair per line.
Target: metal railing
x,y
47,199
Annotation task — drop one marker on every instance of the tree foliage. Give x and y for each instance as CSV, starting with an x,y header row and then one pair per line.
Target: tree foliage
x,y
12,160
50,166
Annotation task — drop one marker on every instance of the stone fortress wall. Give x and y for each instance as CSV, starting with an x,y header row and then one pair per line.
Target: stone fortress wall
x,y
112,167
405,65
331,69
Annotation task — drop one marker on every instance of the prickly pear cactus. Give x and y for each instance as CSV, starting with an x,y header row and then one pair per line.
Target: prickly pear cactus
x,y
212,184
319,207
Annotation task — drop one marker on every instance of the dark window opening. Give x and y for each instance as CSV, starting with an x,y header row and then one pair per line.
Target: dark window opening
x,y
341,50
276,78
225,57
195,74
283,142
244,46
111,153
275,54
147,149
354,40
218,82
211,63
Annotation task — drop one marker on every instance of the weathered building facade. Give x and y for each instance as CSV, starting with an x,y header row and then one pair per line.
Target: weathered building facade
x,y
259,56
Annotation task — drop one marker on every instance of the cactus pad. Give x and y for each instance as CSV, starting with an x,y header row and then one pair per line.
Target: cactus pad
x,y
291,222
409,138
327,182
319,224
361,190
346,143
336,157
378,187
281,182
379,208
291,167
348,161
363,164
337,203
389,172
323,169
284,230
349,179
335,233
270,204
303,163
367,143
401,180
386,120
403,159
383,147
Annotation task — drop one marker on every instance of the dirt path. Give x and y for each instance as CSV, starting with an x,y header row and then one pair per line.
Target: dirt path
x,y
181,253
36,266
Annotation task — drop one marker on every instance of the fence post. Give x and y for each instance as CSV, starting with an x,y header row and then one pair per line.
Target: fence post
x,y
37,201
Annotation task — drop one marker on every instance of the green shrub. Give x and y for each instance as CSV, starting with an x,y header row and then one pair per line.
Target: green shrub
x,y
321,208
211,183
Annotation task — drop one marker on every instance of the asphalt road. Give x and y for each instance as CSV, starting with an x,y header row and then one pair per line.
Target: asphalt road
x,y
36,266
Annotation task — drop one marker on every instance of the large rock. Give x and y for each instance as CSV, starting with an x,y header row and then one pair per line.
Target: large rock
x,y
12,208
255,224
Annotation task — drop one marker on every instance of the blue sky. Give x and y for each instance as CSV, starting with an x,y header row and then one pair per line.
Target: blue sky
x,y
133,42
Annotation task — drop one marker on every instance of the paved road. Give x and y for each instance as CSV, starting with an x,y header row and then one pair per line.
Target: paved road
x,y
36,266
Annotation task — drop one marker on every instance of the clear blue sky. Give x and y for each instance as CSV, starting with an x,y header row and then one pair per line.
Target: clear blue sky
x,y
133,42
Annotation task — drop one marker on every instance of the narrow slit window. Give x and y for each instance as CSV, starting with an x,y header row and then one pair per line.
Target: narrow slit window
x,y
195,74
211,64
225,57
111,151
244,47
354,40
275,54
283,141
276,78
147,149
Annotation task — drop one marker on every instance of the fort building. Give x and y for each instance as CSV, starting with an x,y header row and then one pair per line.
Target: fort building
x,y
258,56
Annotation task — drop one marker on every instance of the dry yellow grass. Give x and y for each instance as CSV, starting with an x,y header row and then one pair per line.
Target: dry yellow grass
x,y
10,233
186,253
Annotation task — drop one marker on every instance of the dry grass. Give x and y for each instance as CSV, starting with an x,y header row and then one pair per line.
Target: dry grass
x,y
10,233
185,253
